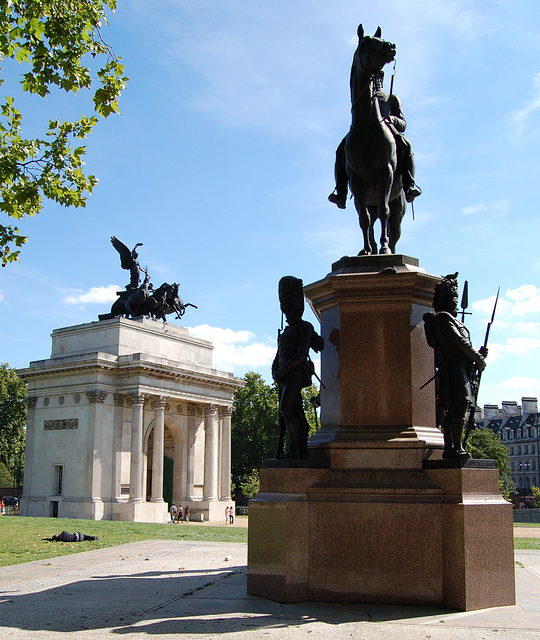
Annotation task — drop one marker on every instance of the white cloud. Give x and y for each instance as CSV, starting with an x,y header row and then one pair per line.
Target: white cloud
x,y
219,335
522,385
95,295
520,120
485,306
498,207
516,346
523,300
528,327
235,350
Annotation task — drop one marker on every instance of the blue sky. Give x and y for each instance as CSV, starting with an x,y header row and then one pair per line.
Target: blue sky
x,y
222,160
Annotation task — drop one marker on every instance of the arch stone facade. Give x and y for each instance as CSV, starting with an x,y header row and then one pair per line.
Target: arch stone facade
x,y
123,411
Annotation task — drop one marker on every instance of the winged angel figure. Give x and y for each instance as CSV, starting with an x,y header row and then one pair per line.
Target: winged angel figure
x,y
128,260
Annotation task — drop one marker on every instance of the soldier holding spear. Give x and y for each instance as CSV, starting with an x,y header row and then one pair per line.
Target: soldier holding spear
x,y
458,364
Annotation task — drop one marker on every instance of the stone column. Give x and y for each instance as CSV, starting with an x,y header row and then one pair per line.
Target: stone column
x,y
136,467
96,444
119,399
29,449
157,454
210,453
225,414
192,428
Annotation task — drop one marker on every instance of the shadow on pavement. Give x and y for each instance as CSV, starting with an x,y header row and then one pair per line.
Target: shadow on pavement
x,y
180,602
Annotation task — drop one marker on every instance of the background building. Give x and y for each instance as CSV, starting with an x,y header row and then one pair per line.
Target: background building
x,y
518,428
127,416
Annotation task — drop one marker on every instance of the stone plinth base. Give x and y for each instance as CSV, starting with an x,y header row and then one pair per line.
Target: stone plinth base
x,y
435,537
140,512
208,510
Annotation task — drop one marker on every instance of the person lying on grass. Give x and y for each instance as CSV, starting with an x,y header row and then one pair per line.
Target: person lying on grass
x,y
71,537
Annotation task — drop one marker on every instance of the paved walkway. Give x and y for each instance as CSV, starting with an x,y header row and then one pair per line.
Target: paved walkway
x,y
527,532
197,590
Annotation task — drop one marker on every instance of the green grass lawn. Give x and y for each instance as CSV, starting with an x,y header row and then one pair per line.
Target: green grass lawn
x,y
21,539
527,543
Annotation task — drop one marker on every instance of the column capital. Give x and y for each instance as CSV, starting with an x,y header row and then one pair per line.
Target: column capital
x,y
96,397
210,409
160,402
193,409
137,398
119,399
226,412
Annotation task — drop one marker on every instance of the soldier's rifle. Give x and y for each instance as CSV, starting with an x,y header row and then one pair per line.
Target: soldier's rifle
x,y
471,420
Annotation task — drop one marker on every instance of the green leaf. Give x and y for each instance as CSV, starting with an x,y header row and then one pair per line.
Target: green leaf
x,y
53,41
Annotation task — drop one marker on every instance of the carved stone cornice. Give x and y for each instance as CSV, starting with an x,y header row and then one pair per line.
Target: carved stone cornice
x,y
109,366
96,397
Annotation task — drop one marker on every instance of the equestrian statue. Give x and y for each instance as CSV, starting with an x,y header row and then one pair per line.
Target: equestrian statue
x,y
375,160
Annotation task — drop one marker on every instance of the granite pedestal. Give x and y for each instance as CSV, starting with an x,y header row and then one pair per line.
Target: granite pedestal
x,y
375,515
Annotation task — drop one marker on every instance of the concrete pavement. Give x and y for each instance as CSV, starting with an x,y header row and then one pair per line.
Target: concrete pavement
x,y
198,590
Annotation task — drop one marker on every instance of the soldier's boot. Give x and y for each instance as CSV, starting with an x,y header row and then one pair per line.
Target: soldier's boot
x,y
457,435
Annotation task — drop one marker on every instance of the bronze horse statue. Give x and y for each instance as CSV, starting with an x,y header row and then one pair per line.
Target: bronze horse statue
x,y
371,152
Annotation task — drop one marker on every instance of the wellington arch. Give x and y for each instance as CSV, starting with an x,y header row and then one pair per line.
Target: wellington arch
x,y
125,417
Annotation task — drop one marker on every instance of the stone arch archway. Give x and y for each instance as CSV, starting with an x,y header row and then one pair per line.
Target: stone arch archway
x,y
174,463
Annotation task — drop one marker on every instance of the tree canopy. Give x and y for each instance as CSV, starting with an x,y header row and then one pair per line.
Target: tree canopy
x,y
255,424
485,444
58,43
13,410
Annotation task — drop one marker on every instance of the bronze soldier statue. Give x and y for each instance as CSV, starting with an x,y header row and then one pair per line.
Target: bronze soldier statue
x,y
392,114
292,368
457,363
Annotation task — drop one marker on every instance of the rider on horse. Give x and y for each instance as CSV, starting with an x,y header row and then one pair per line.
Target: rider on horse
x,y
391,111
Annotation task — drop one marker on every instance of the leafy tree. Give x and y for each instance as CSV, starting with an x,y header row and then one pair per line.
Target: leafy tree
x,y
485,444
536,495
308,394
251,484
254,425
6,479
57,41
13,409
